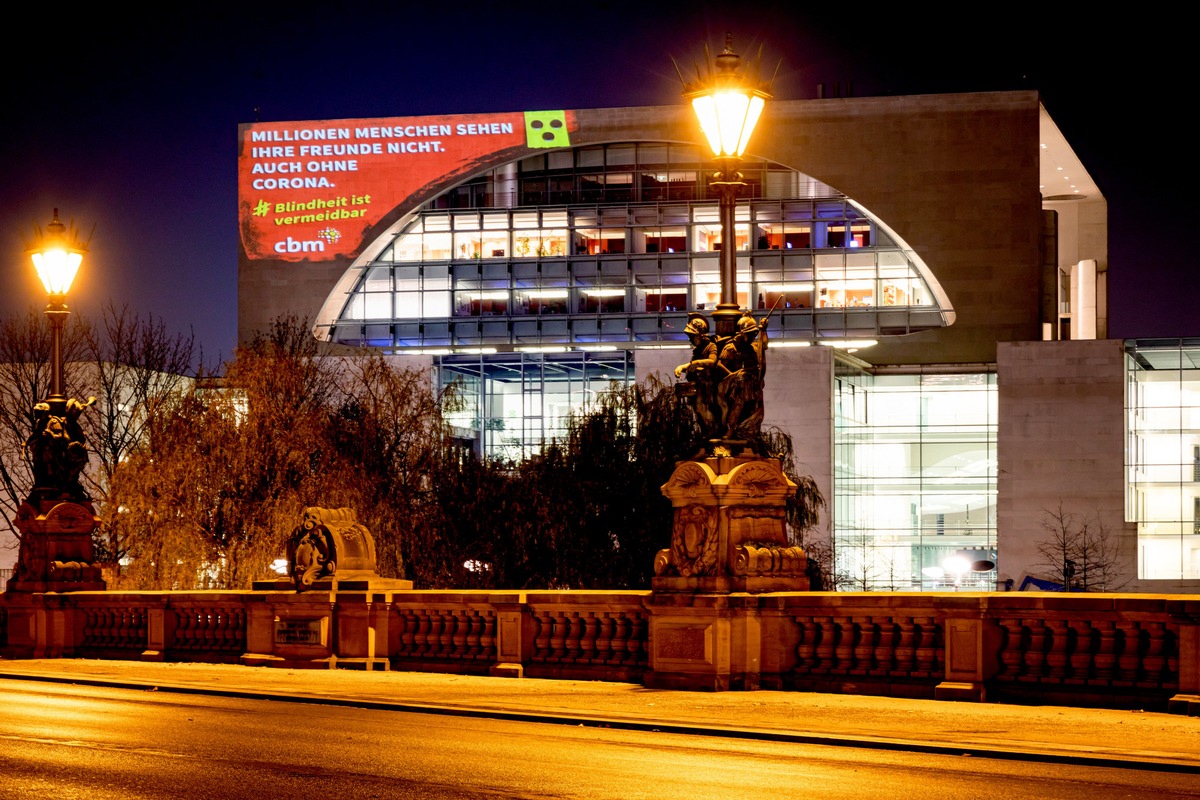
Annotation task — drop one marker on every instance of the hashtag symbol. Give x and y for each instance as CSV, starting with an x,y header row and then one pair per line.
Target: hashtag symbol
x,y
262,208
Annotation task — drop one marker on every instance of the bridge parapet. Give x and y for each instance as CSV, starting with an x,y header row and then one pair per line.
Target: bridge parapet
x,y
1114,650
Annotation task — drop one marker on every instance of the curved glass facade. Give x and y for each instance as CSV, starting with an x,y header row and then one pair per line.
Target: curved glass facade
x,y
615,244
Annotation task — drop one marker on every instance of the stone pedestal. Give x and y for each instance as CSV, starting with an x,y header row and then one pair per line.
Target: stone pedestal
x,y
318,630
334,610
730,531
56,548
728,544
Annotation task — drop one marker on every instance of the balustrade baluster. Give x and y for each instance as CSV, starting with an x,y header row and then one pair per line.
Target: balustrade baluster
x,y
541,639
1012,649
866,636
620,641
437,626
604,632
572,636
487,637
636,643
421,634
449,636
1104,662
408,632
928,645
1154,663
1084,640
472,630
885,643
826,644
1039,643
806,648
587,643
906,646
184,629
1129,658
558,636
1058,652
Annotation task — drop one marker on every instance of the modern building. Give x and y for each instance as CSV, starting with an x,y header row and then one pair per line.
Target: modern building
x,y
934,268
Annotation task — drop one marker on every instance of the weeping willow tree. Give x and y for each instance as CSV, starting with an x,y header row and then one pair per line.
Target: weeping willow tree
x,y
588,512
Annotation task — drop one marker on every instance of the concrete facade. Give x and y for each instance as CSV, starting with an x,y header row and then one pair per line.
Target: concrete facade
x,y
1061,441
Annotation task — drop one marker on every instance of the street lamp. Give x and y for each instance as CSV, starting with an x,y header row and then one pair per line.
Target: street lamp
x,y
56,521
728,102
56,255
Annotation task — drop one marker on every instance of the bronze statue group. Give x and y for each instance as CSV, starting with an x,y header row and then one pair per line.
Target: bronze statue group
x,y
724,382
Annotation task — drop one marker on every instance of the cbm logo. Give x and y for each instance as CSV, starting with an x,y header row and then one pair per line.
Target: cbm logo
x,y
290,245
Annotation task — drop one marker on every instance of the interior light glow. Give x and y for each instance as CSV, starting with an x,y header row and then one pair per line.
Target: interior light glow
x,y
787,287
848,344
957,566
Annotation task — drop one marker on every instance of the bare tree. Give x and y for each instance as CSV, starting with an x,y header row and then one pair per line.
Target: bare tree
x,y
209,493
128,363
1079,552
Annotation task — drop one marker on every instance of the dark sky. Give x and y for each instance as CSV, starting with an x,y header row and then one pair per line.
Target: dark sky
x,y
128,122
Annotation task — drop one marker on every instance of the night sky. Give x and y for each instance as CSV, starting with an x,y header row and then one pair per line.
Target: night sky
x,y
128,122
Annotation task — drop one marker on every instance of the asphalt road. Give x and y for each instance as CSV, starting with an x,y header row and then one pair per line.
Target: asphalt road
x,y
64,741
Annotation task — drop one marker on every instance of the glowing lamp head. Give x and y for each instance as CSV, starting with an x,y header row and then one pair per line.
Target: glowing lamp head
x,y
56,255
727,103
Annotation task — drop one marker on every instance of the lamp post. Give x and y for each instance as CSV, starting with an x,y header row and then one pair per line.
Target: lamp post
x,y
729,501
57,255
728,103
56,521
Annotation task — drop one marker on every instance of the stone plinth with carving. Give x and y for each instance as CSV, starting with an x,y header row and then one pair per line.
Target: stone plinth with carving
x,y
56,547
730,532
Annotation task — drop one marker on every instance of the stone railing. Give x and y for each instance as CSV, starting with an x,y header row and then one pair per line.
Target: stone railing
x,y
1138,651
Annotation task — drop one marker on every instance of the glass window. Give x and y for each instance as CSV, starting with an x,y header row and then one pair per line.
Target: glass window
x,y
1163,456
915,480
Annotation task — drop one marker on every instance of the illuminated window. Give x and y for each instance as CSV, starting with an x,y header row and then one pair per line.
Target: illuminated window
x,y
1163,456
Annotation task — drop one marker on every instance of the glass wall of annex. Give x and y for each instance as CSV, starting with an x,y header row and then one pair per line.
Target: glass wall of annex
x,y
512,403
616,244
1163,455
914,481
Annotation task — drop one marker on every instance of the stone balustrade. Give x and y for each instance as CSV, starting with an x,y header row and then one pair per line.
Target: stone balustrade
x,y
1138,651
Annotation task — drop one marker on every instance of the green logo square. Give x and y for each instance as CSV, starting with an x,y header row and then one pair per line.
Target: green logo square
x,y
546,129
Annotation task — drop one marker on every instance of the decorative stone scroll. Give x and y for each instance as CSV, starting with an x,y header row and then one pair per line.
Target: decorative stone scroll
x,y
329,542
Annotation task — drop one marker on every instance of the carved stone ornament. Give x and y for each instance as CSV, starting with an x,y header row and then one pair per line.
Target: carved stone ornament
x,y
759,478
694,540
325,540
770,561
690,480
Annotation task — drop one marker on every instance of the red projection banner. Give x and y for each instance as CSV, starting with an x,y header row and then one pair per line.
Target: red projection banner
x,y
311,191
